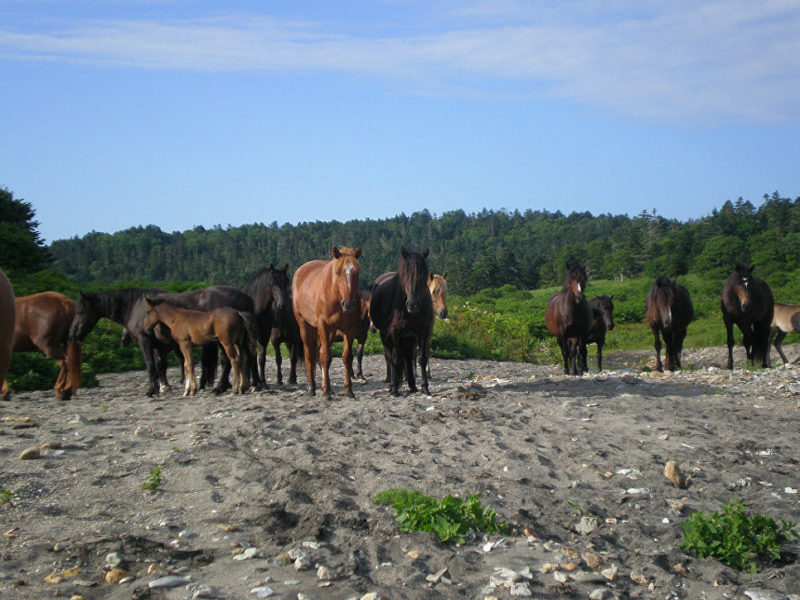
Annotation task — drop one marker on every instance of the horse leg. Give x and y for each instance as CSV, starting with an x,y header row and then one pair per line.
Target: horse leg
x,y
294,356
309,336
729,340
148,353
208,365
190,385
5,392
424,369
761,344
347,360
276,345
56,353
325,358
359,358
777,342
584,351
562,343
600,344
408,359
657,344
572,356
223,384
669,341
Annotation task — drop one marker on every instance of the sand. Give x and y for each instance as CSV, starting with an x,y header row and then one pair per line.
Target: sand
x,y
257,492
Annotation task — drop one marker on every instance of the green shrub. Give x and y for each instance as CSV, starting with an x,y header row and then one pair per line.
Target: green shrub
x,y
734,538
451,519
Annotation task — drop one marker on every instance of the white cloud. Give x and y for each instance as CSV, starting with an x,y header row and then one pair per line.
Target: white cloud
x,y
725,61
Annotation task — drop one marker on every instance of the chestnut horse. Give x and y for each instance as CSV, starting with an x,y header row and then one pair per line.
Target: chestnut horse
x,y
191,328
569,318
326,301
785,320
669,311
748,302
8,312
602,322
402,311
43,322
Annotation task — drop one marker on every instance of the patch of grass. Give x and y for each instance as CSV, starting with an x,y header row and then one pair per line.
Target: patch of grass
x,y
451,519
6,497
734,538
154,479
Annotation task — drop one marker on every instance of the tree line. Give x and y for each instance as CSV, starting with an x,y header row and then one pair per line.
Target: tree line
x,y
480,250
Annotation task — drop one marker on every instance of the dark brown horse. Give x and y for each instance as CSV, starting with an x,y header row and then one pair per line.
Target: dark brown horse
x,y
269,289
785,320
402,310
748,302
43,322
669,311
569,318
602,322
286,332
125,306
8,313
191,328
326,301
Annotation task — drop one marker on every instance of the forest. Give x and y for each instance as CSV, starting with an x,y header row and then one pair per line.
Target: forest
x,y
477,251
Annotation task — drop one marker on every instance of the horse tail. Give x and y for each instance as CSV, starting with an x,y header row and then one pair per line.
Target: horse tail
x,y
73,366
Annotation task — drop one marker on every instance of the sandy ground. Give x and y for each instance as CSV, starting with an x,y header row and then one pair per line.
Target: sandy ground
x,y
270,494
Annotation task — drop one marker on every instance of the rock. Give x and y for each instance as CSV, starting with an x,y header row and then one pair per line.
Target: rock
x,y
303,563
80,420
169,581
325,574
601,594
521,589
31,453
436,577
114,576
591,559
560,577
762,594
639,578
610,573
246,554
587,525
262,591
113,559
673,473
206,591
56,578
504,578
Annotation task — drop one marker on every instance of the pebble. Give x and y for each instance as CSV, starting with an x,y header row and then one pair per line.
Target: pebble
x,y
80,420
521,589
262,591
587,525
436,577
325,574
113,559
114,576
169,581
31,453
247,554
601,594
205,591
765,595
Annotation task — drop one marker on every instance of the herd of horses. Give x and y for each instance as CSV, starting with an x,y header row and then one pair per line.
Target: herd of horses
x,y
323,303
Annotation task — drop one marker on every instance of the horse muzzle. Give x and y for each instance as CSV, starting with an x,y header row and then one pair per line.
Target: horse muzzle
x,y
442,314
412,307
349,306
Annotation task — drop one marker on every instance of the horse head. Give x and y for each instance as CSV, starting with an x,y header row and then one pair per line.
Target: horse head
x,y
575,281
346,271
438,289
664,297
744,277
151,316
606,305
280,287
86,316
412,272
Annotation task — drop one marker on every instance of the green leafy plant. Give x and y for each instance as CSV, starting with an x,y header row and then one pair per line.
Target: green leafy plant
x,y
154,479
6,496
451,519
734,538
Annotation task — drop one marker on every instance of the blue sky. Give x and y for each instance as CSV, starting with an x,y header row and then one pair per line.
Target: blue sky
x,y
179,113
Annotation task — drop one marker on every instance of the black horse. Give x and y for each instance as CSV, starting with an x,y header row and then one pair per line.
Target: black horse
x,y
209,298
126,307
748,302
602,322
402,310
669,311
269,289
569,317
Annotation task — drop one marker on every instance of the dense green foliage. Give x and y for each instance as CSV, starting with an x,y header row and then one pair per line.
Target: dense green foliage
x,y
734,538
488,249
451,519
21,248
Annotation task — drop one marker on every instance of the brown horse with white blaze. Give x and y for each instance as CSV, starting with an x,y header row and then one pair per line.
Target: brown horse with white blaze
x,y
569,317
669,311
785,320
42,323
8,314
326,302
191,328
748,302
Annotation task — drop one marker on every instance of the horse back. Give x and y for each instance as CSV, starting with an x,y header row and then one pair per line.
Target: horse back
x,y
308,288
42,318
563,317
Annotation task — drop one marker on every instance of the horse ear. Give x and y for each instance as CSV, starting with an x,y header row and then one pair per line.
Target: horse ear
x,y
286,267
425,253
148,302
611,297
335,252
357,252
445,275
751,268
272,267
403,251
430,276
569,266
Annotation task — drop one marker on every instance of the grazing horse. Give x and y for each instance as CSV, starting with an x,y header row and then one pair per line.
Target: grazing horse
x,y
191,328
669,311
207,299
8,312
126,307
569,318
602,322
269,289
402,310
326,301
43,321
785,320
748,302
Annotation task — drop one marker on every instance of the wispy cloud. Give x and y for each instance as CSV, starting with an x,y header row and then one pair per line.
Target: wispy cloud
x,y
726,61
